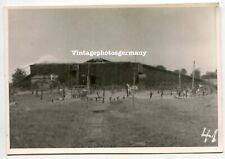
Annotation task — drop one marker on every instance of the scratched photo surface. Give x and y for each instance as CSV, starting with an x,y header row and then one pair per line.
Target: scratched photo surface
x,y
113,77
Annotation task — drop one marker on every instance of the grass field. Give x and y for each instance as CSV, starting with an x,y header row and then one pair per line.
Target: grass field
x,y
80,123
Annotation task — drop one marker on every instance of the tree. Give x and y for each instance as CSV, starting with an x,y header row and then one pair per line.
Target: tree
x,y
161,67
210,75
177,71
197,73
18,77
183,71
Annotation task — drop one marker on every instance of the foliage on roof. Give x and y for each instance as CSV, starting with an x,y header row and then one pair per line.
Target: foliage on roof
x,y
98,60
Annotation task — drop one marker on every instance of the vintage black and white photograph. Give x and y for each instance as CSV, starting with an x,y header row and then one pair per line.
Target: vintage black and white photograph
x,y
114,77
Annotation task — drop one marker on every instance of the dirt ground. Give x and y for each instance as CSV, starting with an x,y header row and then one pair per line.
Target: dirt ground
x,y
75,123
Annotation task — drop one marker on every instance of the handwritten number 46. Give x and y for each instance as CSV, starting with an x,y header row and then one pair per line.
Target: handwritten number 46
x,y
207,135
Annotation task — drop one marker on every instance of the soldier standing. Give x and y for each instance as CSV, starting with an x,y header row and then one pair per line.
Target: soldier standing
x,y
151,94
162,93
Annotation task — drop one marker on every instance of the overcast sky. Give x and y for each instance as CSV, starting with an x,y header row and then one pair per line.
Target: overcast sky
x,y
173,37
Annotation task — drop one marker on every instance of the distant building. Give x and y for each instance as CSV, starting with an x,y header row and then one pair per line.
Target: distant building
x,y
100,72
